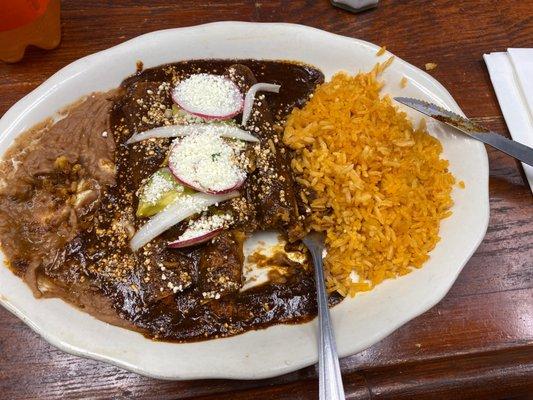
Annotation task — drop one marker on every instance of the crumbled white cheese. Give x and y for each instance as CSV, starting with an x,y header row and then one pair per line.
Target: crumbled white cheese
x,y
208,94
205,225
157,187
207,160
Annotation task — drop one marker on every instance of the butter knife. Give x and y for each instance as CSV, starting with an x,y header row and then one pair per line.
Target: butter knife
x,y
508,146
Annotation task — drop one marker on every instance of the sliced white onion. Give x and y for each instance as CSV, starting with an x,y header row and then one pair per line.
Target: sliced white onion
x,y
250,97
174,213
169,131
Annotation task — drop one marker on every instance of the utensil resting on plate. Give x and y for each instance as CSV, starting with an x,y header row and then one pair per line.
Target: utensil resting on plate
x,y
329,375
508,146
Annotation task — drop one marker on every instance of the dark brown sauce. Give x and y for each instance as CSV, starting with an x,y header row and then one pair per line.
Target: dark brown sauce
x,y
156,290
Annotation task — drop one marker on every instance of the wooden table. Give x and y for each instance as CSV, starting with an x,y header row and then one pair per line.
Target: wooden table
x,y
477,343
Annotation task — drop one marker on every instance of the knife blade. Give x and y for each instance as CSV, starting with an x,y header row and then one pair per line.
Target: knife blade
x,y
508,146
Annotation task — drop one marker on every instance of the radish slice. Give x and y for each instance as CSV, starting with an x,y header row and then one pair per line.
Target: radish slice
x,y
209,96
195,186
179,244
202,230
222,130
207,163
250,97
180,209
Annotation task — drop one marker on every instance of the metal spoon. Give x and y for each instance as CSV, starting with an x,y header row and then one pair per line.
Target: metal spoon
x,y
329,375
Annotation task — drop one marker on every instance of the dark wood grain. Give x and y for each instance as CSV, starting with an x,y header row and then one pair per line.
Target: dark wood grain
x,y
477,343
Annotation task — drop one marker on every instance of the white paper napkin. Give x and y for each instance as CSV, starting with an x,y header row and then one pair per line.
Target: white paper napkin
x,y
511,74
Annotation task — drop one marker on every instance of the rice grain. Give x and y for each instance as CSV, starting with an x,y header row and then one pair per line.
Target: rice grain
x,y
380,187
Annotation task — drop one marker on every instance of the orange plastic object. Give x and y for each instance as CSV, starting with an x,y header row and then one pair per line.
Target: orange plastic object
x,y
28,22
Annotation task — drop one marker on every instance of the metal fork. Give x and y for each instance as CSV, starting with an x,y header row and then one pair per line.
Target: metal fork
x,y
329,375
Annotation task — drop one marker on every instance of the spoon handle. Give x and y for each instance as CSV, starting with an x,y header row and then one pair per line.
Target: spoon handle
x,y
329,374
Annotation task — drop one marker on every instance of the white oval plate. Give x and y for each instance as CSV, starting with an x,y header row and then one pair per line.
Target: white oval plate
x,y
359,322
